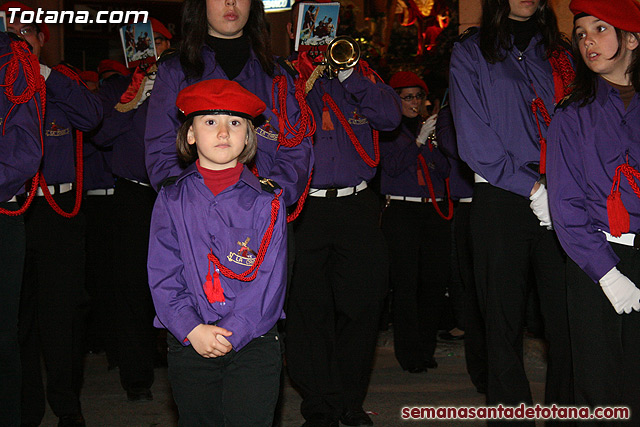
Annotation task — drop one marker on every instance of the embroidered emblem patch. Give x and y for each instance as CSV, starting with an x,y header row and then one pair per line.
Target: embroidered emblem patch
x,y
357,119
267,131
54,130
244,255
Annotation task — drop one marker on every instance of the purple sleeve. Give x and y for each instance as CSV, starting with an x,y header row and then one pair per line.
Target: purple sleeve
x,y
161,156
479,145
81,107
258,306
175,304
399,154
567,184
114,123
370,97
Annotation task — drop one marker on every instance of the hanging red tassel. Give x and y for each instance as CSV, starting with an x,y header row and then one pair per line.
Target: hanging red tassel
x,y
543,156
421,180
618,215
213,289
327,124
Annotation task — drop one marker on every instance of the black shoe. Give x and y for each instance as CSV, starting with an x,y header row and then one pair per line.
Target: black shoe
x,y
447,336
416,369
431,363
356,417
72,421
138,394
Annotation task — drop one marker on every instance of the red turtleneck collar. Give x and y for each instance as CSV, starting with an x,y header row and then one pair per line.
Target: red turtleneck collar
x,y
218,180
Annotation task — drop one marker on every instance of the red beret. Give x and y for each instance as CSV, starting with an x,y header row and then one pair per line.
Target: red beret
x,y
89,76
159,27
110,65
44,29
407,79
622,14
219,96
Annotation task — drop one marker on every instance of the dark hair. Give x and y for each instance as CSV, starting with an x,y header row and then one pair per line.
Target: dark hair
x,y
195,28
495,37
585,84
188,153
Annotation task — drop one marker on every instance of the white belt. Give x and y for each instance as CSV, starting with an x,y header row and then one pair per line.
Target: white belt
x,y
466,200
337,192
477,178
100,192
627,239
412,199
138,182
55,189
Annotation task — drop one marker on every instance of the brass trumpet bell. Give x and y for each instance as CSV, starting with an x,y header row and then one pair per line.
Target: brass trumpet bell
x,y
342,53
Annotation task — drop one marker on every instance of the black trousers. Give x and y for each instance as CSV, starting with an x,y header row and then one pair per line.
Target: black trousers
x,y
419,243
133,204
339,283
606,345
239,389
509,243
53,306
98,211
475,345
12,253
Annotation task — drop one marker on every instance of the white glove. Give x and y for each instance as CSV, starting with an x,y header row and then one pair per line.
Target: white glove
x,y
540,206
148,87
343,74
622,292
428,127
45,71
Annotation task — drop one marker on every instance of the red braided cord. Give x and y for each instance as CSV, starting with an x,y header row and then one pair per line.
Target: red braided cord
x,y
78,185
285,127
67,71
352,136
422,164
35,84
251,273
300,203
630,173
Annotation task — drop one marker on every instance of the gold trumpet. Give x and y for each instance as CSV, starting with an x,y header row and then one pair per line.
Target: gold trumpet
x,y
342,53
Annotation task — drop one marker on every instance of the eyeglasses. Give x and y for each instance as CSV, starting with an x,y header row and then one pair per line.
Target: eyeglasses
x,y
24,31
410,98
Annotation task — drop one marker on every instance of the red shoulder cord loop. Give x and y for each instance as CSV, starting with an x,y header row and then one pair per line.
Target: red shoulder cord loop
x,y
563,75
22,57
79,159
250,274
617,213
352,136
422,165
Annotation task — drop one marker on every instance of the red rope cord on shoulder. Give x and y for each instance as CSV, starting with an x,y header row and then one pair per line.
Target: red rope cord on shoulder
x,y
305,124
372,162
23,59
251,273
422,165
563,75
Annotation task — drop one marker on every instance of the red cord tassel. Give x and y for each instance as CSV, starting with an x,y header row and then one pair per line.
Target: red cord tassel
x,y
618,215
327,124
213,289
543,156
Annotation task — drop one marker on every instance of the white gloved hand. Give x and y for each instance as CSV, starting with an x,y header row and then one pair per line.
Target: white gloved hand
x,y
428,127
622,292
148,87
540,206
343,74
45,71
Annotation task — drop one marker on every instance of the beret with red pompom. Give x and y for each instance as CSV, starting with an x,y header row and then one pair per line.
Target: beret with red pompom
x,y
403,79
622,14
44,29
219,96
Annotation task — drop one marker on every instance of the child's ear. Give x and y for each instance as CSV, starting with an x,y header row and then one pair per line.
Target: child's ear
x,y
191,139
632,41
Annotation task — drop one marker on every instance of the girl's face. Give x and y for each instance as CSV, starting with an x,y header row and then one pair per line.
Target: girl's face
x,y
598,43
227,18
522,10
219,138
412,99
